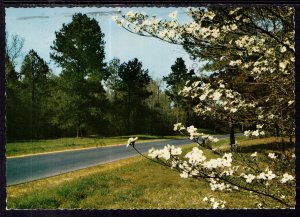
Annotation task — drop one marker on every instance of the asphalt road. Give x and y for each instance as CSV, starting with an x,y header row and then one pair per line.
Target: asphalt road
x,y
30,168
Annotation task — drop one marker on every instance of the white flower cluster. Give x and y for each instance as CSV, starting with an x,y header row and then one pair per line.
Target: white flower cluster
x,y
195,156
178,127
217,170
216,100
165,153
257,132
215,185
216,163
196,161
267,175
171,30
254,155
131,141
249,177
272,155
214,203
286,178
194,134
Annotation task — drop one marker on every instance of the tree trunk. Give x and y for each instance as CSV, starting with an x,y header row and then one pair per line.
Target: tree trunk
x,y
291,135
282,145
77,132
277,130
231,128
188,117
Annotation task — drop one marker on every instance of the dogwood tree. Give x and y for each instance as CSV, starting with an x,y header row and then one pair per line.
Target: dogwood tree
x,y
257,43
251,53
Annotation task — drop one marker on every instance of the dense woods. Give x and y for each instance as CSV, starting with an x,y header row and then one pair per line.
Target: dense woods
x,y
90,96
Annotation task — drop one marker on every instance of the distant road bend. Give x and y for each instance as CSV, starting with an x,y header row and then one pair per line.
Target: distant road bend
x,y
30,168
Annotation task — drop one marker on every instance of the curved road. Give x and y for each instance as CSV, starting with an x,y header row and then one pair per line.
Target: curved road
x,y
30,168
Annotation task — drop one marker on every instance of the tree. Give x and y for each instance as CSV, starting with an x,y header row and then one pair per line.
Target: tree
x,y
161,115
176,80
113,78
34,78
255,42
133,84
79,50
14,45
14,106
34,73
79,47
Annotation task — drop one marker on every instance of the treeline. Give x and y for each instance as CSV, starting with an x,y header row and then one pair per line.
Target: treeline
x,y
89,96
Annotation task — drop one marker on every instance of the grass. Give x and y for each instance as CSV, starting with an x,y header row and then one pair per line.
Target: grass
x,y
133,183
50,145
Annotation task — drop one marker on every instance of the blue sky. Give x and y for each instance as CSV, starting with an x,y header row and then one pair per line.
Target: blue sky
x,y
37,27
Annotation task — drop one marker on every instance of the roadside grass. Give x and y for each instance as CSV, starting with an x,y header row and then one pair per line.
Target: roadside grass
x,y
133,183
40,146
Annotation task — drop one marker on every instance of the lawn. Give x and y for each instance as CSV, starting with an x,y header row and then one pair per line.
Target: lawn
x,y
50,145
131,183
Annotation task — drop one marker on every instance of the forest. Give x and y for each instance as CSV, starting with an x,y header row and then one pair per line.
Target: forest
x,y
90,97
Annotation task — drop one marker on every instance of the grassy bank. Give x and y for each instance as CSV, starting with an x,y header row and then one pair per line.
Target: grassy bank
x,y
125,184
40,146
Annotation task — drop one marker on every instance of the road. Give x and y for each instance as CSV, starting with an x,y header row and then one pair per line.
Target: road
x,y
30,168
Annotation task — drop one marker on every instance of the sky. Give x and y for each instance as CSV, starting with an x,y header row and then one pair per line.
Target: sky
x,y
38,25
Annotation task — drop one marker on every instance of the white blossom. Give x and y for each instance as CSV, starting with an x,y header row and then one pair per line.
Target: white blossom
x,y
192,131
195,156
249,178
283,49
259,126
286,177
247,133
233,110
178,127
254,154
217,95
291,102
184,175
262,176
283,64
272,155
131,141
255,133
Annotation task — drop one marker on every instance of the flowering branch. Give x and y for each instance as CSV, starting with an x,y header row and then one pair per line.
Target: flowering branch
x,y
230,171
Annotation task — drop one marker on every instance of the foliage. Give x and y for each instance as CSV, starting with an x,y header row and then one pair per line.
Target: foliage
x,y
34,76
243,47
132,85
252,43
79,50
175,82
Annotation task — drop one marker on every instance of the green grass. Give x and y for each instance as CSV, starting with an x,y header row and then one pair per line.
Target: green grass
x,y
40,146
133,183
